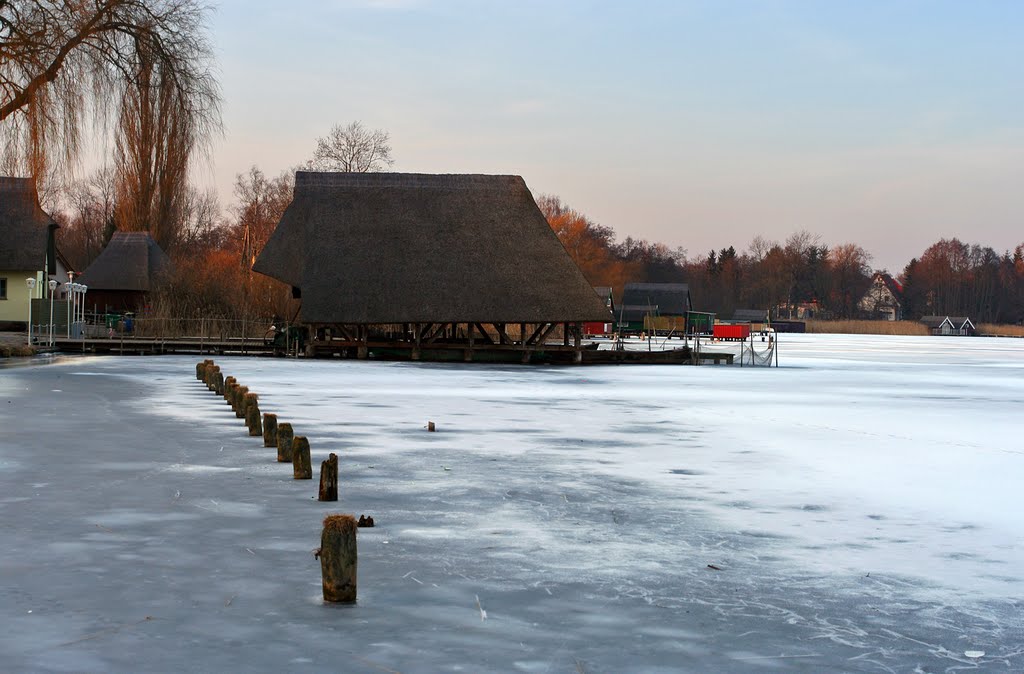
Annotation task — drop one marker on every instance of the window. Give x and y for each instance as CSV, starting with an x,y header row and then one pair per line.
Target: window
x,y
3,288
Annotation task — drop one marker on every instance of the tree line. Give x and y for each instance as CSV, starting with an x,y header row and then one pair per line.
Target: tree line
x,y
800,275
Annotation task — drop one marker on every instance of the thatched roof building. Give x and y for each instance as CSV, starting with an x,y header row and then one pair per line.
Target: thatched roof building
x,y
130,266
386,248
26,231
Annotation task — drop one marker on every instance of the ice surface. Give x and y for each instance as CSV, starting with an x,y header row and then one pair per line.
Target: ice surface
x,y
859,502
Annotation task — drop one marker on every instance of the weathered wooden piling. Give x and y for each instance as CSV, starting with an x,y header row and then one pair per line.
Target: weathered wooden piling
x,y
239,401
431,427
211,376
230,384
252,418
284,442
338,558
329,479
201,368
302,468
218,383
269,430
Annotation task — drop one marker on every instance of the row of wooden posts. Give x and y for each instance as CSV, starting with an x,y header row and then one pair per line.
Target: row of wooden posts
x,y
337,553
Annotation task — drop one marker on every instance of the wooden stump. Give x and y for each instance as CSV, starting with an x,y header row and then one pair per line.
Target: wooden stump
x,y
329,479
269,430
218,383
239,402
338,558
229,384
301,466
252,419
201,368
211,376
284,443
431,427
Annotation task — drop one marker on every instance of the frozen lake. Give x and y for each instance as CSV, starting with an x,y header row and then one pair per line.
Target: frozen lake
x,y
860,503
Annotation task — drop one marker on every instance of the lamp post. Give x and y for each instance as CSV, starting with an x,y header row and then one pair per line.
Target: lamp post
x,y
81,306
31,283
67,294
53,286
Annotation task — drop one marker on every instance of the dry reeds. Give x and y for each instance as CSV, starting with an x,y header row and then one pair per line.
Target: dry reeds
x,y
1000,330
852,327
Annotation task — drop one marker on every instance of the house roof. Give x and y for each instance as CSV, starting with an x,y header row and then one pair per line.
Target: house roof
x,y
961,321
935,321
131,261
404,248
894,286
668,299
750,315
24,226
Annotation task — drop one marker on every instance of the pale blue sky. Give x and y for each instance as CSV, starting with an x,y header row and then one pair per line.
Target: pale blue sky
x,y
699,124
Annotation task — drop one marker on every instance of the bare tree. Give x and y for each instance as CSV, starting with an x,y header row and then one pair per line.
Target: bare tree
x,y
353,149
64,64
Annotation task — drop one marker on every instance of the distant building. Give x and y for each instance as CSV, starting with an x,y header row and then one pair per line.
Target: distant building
x,y
949,325
27,250
130,267
884,299
654,307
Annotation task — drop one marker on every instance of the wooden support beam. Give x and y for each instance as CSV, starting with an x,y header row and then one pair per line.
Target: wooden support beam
x,y
547,333
483,333
438,331
503,338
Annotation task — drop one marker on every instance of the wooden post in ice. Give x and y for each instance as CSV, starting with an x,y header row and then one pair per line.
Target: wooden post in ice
x,y
252,415
338,558
229,384
218,383
302,468
431,427
201,368
239,401
269,430
329,479
284,443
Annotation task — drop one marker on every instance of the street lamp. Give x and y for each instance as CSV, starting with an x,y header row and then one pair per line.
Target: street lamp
x,y
31,283
53,286
84,289
67,294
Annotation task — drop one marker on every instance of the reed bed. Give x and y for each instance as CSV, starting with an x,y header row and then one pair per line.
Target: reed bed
x,y
1001,330
852,327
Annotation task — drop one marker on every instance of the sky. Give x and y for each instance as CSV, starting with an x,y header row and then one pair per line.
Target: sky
x,y
697,124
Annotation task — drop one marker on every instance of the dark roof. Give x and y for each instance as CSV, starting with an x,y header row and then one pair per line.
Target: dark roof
x,y
131,261
666,299
750,315
961,321
934,321
23,226
407,248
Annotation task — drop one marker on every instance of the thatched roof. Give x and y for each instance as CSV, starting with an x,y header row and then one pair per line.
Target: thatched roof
x,y
413,248
659,299
131,261
25,230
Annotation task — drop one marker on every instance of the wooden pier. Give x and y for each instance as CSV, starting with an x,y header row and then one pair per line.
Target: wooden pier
x,y
159,345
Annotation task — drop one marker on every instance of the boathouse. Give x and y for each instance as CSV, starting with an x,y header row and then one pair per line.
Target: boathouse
x,y
122,276
442,267
949,325
654,307
603,328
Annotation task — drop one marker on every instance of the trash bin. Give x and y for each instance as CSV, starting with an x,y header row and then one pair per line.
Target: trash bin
x,y
112,320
